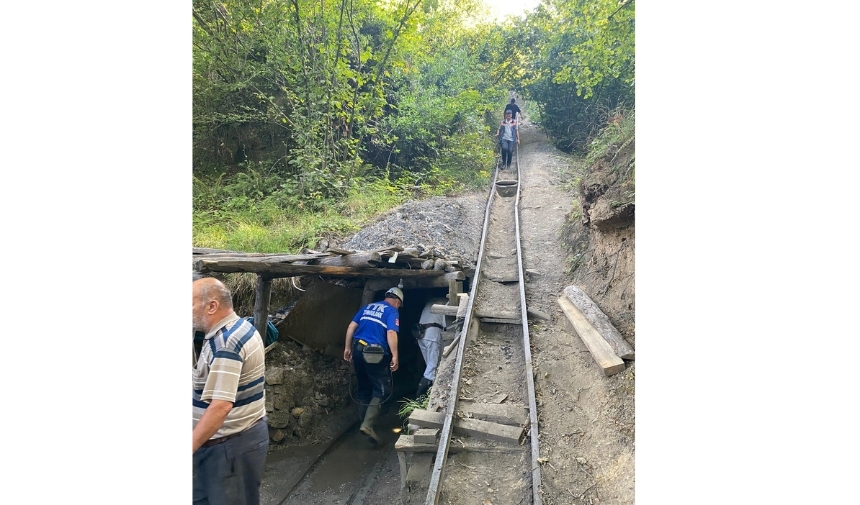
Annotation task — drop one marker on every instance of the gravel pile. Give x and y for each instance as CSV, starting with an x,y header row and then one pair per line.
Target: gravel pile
x,y
451,227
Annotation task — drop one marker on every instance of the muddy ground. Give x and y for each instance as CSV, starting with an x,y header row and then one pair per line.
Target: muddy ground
x,y
586,420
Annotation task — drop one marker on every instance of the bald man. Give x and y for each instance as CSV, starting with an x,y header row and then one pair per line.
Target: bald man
x,y
230,434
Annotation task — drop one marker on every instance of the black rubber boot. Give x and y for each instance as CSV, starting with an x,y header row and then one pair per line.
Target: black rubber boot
x,y
423,387
370,418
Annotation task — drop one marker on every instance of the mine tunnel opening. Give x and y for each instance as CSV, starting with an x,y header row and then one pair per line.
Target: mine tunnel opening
x,y
412,364
311,389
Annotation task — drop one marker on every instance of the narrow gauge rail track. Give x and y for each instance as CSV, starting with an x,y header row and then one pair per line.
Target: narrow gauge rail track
x,y
501,472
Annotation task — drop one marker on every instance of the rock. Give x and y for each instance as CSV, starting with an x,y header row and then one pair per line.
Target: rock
x,y
276,435
279,420
279,402
305,419
274,375
297,412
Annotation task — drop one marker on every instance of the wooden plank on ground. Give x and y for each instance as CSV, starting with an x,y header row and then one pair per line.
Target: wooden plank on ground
x,y
600,349
499,320
510,277
471,427
498,314
600,321
406,443
501,413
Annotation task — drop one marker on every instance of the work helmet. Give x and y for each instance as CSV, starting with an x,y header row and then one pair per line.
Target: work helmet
x,y
395,292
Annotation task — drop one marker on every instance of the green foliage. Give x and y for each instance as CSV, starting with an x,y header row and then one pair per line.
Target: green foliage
x,y
409,405
615,145
310,117
580,66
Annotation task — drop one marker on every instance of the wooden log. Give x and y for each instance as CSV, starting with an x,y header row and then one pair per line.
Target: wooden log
x,y
406,443
448,310
600,321
470,427
600,349
342,252
276,270
261,305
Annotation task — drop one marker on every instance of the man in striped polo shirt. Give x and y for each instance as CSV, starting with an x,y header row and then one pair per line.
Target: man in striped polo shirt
x,y
230,434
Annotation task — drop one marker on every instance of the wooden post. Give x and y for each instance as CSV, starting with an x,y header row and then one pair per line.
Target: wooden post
x,y
261,305
454,287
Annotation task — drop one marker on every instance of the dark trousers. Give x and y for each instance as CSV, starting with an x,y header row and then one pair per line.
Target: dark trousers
x,y
507,152
374,379
229,473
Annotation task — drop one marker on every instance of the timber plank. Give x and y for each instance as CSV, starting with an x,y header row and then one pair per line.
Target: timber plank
x,y
600,321
471,427
503,278
501,413
600,349
499,320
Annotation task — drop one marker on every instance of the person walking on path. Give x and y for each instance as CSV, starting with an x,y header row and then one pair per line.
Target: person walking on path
x,y
514,108
371,347
507,133
431,327
230,434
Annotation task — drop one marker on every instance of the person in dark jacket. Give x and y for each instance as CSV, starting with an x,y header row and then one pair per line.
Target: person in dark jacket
x,y
514,108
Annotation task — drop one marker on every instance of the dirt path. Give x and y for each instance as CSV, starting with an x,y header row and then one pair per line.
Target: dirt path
x,y
586,419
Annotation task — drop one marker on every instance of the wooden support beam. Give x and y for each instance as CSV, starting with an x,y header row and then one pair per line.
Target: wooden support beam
x,y
463,305
448,310
600,349
455,287
426,436
600,321
261,305
276,270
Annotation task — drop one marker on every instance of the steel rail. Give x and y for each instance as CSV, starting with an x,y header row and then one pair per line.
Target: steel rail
x,y
530,382
437,474
445,436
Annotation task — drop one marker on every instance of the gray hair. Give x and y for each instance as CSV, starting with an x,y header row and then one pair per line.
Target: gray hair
x,y
213,289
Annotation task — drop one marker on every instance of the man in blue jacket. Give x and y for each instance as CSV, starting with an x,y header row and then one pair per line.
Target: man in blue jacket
x,y
371,346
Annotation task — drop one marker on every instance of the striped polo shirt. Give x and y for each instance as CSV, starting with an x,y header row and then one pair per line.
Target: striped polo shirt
x,y
231,367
